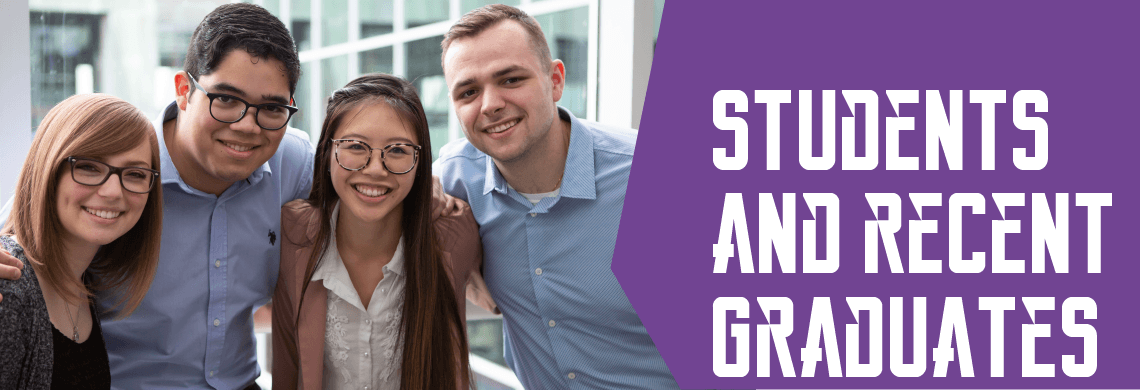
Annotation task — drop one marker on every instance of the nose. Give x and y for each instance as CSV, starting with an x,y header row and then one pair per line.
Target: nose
x,y
112,188
248,123
492,102
375,165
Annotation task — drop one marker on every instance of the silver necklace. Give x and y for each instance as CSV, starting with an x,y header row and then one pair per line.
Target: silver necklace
x,y
74,328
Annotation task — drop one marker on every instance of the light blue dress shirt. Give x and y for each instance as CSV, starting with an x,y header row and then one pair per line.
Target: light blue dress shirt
x,y
566,321
219,262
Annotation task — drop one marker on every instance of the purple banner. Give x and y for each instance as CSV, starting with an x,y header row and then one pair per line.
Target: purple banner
x,y
967,165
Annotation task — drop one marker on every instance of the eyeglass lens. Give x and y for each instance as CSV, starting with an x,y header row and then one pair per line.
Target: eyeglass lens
x,y
94,173
230,109
354,155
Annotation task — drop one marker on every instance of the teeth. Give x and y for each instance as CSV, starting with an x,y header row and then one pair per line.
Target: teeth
x,y
105,214
502,127
237,147
371,191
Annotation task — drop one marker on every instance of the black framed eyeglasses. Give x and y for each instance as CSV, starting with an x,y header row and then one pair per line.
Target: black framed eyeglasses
x,y
230,109
90,172
353,155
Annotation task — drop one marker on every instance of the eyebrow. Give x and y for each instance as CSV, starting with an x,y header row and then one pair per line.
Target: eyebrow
x,y
227,87
497,74
137,164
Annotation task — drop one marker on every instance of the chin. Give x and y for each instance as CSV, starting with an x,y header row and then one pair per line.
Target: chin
x,y
233,174
103,240
506,155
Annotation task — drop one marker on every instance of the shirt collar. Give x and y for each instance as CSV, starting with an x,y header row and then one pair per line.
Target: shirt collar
x,y
331,268
578,175
170,172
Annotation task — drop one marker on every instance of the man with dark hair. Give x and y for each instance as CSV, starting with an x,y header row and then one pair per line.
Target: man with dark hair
x,y
547,190
228,165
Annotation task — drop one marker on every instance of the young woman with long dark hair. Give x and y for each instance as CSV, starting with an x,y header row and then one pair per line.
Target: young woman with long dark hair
x,y
371,289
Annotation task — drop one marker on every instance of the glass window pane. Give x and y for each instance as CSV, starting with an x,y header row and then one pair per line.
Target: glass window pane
x,y
334,22
300,120
64,47
376,61
485,339
468,5
334,75
426,73
566,34
419,13
273,6
375,17
301,23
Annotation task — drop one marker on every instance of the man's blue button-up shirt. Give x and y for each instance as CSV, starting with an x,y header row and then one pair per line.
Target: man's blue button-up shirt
x,y
566,321
218,264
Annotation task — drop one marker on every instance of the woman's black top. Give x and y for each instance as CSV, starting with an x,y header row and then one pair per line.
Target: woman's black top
x,y
81,365
33,354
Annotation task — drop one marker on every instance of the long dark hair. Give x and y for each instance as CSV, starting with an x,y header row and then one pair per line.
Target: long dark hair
x,y
435,343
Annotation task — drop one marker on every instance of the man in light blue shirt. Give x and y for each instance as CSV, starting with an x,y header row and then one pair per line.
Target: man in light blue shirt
x,y
228,165
547,190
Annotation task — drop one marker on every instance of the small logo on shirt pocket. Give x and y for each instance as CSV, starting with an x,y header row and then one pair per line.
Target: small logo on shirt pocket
x,y
272,237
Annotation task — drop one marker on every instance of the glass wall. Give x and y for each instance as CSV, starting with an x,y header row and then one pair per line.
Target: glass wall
x,y
132,48
468,5
426,72
567,36
376,18
68,45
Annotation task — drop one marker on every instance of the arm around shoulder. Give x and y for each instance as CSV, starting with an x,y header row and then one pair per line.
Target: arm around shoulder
x,y
459,237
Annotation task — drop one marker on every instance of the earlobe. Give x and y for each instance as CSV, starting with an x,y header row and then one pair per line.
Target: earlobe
x,y
557,78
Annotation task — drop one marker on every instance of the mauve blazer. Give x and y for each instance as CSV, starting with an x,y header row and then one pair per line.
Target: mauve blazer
x,y
298,347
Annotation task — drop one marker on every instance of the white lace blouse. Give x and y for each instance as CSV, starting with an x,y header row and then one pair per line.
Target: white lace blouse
x,y
361,346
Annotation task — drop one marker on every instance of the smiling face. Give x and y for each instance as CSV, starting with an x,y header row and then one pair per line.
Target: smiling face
x,y
211,155
98,215
503,93
373,194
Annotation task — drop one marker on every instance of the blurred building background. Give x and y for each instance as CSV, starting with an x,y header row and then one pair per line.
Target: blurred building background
x,y
132,48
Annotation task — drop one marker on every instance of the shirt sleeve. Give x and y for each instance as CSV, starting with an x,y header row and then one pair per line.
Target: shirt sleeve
x,y
450,177
459,237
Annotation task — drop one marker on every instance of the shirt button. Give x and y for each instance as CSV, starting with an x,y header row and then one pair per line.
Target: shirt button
x,y
211,374
533,214
570,375
366,354
551,323
217,263
219,322
367,322
538,271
